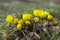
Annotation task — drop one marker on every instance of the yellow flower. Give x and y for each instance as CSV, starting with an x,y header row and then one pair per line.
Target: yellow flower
x,y
27,22
26,16
15,20
19,27
43,15
47,13
9,18
37,12
50,17
55,23
36,19
20,21
41,11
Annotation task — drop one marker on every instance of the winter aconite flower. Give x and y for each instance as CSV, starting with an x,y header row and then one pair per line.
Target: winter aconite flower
x,y
27,22
37,12
26,16
15,20
19,27
20,21
55,23
40,12
9,18
28,25
36,19
47,13
50,17
43,15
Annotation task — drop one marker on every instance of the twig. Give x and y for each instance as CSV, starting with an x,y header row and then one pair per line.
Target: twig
x,y
46,33
37,35
25,35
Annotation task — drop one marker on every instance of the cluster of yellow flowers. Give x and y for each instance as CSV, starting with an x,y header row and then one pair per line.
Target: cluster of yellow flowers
x,y
43,14
26,18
